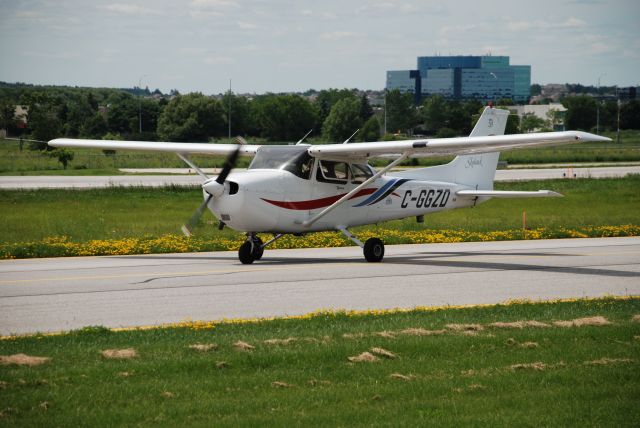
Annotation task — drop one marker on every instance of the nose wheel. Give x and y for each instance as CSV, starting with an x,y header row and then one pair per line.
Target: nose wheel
x,y
251,250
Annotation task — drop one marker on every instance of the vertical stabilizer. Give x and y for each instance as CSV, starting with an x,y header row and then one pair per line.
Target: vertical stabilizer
x,y
476,170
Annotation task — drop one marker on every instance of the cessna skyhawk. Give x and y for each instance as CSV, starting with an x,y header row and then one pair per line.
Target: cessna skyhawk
x,y
299,189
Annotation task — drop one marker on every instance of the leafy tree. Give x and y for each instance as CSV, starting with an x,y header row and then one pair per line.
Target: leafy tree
x,y
630,115
401,114
531,122
63,156
283,117
536,89
446,133
44,125
192,117
94,127
122,113
7,115
240,113
326,99
366,111
581,112
434,113
343,120
370,131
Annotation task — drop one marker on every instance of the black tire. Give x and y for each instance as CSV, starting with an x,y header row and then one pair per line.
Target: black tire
x,y
257,248
244,254
373,250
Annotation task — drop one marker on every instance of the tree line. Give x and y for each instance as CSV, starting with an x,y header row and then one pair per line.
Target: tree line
x,y
334,115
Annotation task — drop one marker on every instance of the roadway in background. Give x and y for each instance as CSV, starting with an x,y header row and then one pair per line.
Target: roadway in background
x,y
119,291
91,182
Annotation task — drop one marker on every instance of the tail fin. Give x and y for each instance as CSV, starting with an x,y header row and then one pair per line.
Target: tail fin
x,y
477,170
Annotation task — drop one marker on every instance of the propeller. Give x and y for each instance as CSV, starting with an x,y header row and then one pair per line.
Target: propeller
x,y
214,189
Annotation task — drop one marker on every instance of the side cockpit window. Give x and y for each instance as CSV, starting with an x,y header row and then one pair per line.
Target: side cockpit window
x,y
332,172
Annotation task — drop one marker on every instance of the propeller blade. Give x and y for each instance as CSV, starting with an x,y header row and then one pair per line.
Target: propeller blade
x,y
195,217
229,163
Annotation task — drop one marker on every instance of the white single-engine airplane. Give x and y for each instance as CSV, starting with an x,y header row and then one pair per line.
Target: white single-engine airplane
x,y
304,188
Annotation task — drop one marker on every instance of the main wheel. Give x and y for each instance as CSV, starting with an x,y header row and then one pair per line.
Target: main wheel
x,y
244,253
373,250
257,248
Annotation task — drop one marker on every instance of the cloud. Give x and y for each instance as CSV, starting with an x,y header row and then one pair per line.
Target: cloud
x,y
219,60
247,25
214,4
337,35
129,9
568,24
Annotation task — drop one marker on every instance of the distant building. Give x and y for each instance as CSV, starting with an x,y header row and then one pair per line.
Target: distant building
x,y
628,93
553,113
464,77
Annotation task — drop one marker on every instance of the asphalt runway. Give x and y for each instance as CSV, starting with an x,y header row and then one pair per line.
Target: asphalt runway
x,y
120,291
91,182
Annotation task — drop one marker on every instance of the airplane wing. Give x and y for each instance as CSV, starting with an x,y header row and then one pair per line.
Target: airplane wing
x,y
448,146
182,148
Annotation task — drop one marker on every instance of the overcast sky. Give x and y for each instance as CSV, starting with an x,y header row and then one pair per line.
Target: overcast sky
x,y
279,46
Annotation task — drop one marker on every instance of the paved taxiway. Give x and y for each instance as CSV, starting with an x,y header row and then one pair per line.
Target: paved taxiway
x,y
69,293
90,182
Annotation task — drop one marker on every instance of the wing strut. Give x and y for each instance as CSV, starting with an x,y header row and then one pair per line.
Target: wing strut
x,y
355,190
186,160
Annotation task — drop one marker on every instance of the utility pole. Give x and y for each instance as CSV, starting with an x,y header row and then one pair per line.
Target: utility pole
x,y
385,111
229,112
618,132
598,104
140,104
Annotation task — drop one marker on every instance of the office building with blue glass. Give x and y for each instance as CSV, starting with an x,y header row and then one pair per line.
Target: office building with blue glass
x,y
464,77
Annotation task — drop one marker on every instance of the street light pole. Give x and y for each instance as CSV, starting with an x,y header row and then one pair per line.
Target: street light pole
x,y
229,113
598,104
140,104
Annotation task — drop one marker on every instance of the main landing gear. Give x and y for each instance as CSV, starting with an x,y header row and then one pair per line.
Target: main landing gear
x,y
253,248
373,248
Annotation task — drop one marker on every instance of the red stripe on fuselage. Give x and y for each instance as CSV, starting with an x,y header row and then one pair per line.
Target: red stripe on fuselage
x,y
316,203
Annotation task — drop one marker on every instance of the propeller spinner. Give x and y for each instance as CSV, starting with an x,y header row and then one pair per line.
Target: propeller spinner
x,y
214,188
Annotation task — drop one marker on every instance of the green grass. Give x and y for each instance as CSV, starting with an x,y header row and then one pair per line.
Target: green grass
x,y
137,212
456,380
27,162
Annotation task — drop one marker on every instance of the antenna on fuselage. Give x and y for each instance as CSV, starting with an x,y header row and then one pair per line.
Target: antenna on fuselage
x,y
352,135
305,136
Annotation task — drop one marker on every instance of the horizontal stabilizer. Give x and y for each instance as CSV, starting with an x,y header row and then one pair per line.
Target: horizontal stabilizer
x,y
508,193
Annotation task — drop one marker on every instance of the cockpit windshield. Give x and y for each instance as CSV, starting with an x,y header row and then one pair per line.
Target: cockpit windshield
x,y
294,159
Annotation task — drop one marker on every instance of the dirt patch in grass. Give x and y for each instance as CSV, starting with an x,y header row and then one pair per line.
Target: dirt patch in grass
x,y
381,352
167,394
287,341
44,405
609,361
365,357
529,366
385,334
203,347
400,376
120,354
222,365
635,318
519,324
580,322
3,384
243,346
22,360
278,384
316,382
354,335
528,345
465,327
421,332
125,374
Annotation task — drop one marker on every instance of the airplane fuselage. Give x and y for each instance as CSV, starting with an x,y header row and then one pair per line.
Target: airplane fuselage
x,y
277,201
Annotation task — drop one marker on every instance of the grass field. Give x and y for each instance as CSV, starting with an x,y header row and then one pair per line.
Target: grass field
x,y
94,162
133,212
445,367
